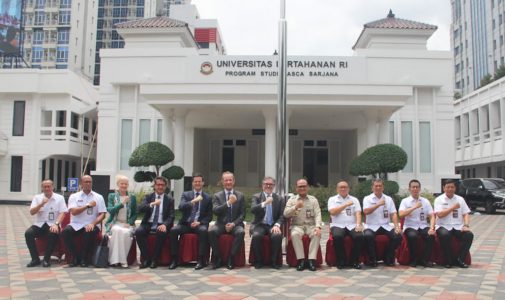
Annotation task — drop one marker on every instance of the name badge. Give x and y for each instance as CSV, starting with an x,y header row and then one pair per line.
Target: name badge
x,y
385,213
308,213
421,216
51,216
455,213
89,211
348,211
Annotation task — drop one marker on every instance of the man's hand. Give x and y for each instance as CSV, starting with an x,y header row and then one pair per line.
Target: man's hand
x,y
162,228
381,202
268,200
359,228
398,230
465,228
317,231
431,231
349,203
89,227
197,199
232,199
455,206
155,203
229,227
92,203
419,205
54,228
276,230
299,204
44,201
195,224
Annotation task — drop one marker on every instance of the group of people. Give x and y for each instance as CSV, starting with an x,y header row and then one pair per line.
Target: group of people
x,y
449,218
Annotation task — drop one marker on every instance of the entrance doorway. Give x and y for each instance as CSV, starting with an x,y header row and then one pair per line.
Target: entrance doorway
x,y
315,162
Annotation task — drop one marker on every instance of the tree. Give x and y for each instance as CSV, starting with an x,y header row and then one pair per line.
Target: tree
x,y
487,79
500,72
377,161
153,154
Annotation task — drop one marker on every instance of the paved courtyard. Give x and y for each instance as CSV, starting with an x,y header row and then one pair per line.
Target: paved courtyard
x,y
485,279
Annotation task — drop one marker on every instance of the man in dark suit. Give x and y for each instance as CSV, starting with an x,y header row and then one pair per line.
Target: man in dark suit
x,y
158,209
229,207
268,210
196,208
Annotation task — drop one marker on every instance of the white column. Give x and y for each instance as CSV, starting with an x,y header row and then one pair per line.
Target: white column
x,y
371,128
384,129
189,145
179,137
270,142
168,130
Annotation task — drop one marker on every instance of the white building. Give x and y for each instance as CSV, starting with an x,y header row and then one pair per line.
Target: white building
x,y
46,125
218,112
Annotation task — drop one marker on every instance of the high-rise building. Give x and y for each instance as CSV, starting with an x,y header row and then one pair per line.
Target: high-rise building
x,y
477,39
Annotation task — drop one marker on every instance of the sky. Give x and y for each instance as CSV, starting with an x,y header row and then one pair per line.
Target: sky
x,y
316,27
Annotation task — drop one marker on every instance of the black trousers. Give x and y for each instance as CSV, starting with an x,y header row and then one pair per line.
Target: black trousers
x,y
338,235
216,231
412,235
394,242
88,241
142,233
257,233
201,231
36,232
445,237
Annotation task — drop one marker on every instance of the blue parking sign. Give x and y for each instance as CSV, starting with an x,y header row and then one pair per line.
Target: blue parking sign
x,y
72,184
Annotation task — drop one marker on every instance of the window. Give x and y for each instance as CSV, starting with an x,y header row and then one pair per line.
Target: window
x,y
38,37
16,173
392,132
63,36
144,131
40,18
407,144
140,12
126,143
64,18
40,3
18,122
62,54
74,120
159,130
424,147
65,3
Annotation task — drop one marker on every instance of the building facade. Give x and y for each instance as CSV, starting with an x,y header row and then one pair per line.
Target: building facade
x,y
218,112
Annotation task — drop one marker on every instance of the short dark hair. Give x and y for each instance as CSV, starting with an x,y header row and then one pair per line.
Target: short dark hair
x,y
198,175
162,179
414,181
376,180
449,181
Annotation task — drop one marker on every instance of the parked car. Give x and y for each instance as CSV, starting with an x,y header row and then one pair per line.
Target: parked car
x,y
483,192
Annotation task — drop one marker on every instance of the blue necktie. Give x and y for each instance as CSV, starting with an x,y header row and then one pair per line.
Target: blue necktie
x,y
269,217
229,209
156,216
194,211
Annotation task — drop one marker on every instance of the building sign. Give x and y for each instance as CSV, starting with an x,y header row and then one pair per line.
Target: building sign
x,y
266,67
10,25
72,184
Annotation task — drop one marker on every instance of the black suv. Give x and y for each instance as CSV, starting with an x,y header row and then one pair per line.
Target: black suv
x,y
483,192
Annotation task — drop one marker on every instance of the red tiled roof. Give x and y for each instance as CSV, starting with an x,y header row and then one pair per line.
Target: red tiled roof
x,y
156,22
390,22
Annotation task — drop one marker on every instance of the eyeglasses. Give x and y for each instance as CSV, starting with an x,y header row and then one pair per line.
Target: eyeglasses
x,y
301,186
268,184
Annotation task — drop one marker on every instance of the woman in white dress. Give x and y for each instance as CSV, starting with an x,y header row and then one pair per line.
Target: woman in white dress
x,y
122,209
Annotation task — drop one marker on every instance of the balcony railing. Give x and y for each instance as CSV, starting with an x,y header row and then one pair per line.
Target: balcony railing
x,y
64,134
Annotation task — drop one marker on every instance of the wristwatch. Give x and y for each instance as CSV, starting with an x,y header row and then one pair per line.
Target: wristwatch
x,y
57,223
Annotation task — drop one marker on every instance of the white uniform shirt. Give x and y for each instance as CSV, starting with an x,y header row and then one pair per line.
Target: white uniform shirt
x,y
347,217
382,215
80,199
417,218
453,220
50,211
160,215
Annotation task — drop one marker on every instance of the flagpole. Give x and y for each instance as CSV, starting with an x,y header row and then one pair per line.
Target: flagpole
x,y
282,137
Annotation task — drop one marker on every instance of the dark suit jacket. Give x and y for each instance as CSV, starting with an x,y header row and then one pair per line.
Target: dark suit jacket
x,y
186,207
259,212
168,209
220,208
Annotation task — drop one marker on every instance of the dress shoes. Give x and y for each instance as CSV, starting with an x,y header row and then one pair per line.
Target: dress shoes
x,y
301,265
46,263
84,264
340,266
312,265
461,264
413,264
153,265
73,263
145,264
276,266
258,265
199,264
229,265
33,263
173,264
427,264
447,266
373,263
216,264
356,266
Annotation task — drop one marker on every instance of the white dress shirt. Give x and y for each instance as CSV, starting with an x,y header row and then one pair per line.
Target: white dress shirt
x,y
419,216
50,211
382,215
347,217
81,199
454,220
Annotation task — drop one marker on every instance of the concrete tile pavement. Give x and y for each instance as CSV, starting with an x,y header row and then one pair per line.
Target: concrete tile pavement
x,y
485,279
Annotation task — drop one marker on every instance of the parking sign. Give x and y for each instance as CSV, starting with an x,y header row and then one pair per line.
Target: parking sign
x,y
72,184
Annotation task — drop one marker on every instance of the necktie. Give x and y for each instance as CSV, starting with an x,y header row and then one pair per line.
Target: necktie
x,y
194,211
156,215
229,209
269,217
